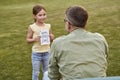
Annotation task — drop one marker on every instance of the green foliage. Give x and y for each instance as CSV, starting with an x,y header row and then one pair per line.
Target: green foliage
x,y
16,15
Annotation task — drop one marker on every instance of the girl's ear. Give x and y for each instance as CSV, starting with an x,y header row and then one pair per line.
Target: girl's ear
x,y
34,17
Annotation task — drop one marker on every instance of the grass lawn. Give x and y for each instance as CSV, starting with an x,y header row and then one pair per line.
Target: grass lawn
x,y
16,15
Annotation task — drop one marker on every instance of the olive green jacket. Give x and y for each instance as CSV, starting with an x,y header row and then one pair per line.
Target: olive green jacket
x,y
80,54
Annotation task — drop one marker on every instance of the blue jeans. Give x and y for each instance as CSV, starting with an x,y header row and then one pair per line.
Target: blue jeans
x,y
38,58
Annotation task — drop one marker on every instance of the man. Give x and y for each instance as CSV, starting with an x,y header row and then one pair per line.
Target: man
x,y
80,54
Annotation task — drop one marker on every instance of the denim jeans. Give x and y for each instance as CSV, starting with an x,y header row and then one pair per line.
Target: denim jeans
x,y
37,59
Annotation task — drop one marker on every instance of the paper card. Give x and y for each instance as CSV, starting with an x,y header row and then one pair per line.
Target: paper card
x,y
44,37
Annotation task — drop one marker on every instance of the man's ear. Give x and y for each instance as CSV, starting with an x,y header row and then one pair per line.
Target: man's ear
x,y
68,26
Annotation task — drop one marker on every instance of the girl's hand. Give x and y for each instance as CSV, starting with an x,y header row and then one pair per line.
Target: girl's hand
x,y
37,39
51,37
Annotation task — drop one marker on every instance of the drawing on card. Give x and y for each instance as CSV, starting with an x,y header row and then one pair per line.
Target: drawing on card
x,y
45,39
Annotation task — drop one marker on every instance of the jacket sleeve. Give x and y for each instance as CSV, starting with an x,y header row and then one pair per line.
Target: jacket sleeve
x,y
53,68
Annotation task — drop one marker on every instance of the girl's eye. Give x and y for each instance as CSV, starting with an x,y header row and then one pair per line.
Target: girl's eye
x,y
42,15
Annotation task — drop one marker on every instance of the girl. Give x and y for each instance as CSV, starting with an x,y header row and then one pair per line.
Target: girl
x,y
40,34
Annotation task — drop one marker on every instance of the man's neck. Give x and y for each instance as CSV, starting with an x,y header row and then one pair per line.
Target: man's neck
x,y
73,28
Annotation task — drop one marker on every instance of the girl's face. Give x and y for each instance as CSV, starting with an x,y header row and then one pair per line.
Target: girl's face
x,y
41,16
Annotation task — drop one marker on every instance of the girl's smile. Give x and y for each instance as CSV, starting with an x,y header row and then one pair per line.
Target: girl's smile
x,y
41,16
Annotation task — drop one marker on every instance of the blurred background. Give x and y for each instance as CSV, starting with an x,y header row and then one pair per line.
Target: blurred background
x,y
16,16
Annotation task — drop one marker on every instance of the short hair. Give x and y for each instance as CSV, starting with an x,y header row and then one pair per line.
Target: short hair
x,y
77,16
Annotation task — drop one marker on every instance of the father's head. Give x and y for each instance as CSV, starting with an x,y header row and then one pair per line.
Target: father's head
x,y
77,16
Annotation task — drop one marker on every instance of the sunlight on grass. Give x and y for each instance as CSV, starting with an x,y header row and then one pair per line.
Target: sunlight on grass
x,y
16,16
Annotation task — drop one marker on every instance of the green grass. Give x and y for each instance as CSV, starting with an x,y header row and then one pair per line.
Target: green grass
x,y
16,15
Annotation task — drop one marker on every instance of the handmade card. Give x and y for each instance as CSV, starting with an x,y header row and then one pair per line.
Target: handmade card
x,y
44,37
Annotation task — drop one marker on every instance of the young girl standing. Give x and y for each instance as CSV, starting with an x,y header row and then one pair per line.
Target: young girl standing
x,y
40,34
